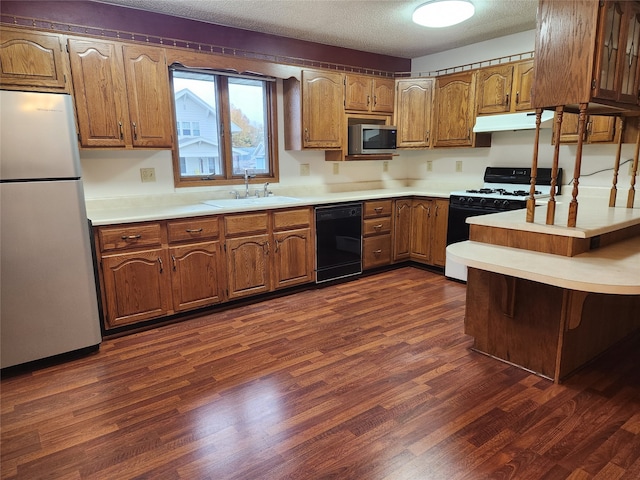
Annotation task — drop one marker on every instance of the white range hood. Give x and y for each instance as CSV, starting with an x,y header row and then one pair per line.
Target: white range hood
x,y
512,121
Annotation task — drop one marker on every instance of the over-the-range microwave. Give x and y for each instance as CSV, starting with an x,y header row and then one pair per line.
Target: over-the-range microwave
x,y
364,138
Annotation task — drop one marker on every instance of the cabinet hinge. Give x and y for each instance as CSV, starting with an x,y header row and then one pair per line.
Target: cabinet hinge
x,y
593,84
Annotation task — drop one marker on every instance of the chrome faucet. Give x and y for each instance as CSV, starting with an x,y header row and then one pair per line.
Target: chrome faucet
x,y
266,190
247,176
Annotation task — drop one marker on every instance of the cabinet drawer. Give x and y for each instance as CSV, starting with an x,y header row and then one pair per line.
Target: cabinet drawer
x,y
378,208
285,219
246,223
141,235
195,229
376,226
376,251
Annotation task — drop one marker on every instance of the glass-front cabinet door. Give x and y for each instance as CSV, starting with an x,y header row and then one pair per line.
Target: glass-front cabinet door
x,y
610,28
630,77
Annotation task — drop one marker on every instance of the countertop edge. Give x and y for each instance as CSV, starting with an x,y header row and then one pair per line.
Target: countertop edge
x,y
560,271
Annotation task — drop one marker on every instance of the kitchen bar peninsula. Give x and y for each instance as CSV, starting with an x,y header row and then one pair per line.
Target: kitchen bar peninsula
x,y
550,298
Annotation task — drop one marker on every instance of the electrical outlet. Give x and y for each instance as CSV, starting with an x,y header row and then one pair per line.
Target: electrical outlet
x,y
304,170
429,165
458,165
385,166
336,168
147,175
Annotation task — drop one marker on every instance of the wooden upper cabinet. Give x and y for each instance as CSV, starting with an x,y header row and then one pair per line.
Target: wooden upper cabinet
x,y
504,88
493,90
587,52
32,61
522,86
147,78
314,110
454,114
369,94
414,100
122,94
98,76
600,129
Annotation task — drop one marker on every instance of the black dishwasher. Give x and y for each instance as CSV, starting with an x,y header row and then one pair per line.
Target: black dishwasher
x,y
338,241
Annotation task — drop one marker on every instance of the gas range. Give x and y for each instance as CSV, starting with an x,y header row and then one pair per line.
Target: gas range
x,y
505,189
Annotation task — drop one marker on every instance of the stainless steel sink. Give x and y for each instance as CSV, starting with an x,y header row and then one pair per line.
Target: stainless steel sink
x,y
250,201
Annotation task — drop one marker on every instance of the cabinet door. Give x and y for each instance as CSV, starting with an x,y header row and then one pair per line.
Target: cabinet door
x,y
383,95
629,68
494,89
32,59
402,230
413,112
100,96
248,265
606,72
196,278
293,256
600,129
357,93
439,230
420,233
322,109
454,112
522,86
149,102
136,286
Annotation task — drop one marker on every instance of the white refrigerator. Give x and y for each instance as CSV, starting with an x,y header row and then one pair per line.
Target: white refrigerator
x,y
48,300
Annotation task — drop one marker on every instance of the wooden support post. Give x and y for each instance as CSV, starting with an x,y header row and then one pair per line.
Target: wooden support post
x,y
616,166
573,205
531,201
634,171
551,204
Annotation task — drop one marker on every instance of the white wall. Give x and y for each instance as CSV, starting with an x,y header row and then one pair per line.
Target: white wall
x,y
117,173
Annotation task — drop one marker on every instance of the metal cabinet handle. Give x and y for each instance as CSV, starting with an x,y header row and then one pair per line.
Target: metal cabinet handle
x,y
377,227
173,260
377,252
368,100
193,230
275,250
306,134
121,132
135,131
267,245
375,100
378,209
506,100
517,98
131,237
161,265
426,136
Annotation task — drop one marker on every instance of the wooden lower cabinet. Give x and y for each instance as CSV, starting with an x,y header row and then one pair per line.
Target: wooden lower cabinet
x,y
376,232
196,276
277,252
420,230
137,286
248,265
293,257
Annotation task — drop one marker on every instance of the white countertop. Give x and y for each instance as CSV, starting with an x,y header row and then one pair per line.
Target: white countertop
x,y
612,269
595,217
129,210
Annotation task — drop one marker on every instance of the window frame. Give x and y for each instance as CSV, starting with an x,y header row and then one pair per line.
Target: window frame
x,y
224,113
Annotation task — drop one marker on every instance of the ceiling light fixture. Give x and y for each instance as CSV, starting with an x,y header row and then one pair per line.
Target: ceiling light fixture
x,y
443,13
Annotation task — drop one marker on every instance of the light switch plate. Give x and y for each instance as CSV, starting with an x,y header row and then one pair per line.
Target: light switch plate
x,y
336,168
458,165
429,165
385,166
305,170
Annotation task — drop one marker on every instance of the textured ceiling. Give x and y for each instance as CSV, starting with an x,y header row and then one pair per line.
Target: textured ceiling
x,y
377,26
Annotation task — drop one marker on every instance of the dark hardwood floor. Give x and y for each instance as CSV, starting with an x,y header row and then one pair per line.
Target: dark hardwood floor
x,y
371,379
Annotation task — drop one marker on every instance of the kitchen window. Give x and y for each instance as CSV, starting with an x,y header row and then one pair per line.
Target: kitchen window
x,y
225,125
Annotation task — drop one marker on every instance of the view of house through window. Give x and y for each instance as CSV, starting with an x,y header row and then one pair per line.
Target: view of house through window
x,y
222,125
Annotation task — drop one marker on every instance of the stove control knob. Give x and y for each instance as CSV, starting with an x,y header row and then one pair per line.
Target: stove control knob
x,y
461,200
505,204
483,201
496,203
470,200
